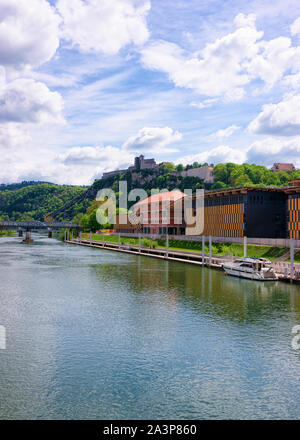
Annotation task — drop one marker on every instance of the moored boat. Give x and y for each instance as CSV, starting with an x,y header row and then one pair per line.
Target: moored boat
x,y
251,268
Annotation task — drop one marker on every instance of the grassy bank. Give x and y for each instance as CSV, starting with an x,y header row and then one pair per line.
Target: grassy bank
x,y
296,257
6,233
235,249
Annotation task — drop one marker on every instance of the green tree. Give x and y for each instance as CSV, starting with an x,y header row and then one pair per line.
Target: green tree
x,y
180,168
243,180
219,185
167,167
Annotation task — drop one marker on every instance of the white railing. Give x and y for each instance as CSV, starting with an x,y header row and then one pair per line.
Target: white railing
x,y
276,242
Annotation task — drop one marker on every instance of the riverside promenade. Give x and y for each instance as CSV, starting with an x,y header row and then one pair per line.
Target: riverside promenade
x,y
285,270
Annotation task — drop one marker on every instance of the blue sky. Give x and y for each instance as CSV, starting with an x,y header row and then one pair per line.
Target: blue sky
x,y
85,85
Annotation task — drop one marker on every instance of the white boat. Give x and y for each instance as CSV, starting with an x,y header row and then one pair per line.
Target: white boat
x,y
251,268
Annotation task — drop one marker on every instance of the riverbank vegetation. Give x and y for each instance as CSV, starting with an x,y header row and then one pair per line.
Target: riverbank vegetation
x,y
219,249
6,233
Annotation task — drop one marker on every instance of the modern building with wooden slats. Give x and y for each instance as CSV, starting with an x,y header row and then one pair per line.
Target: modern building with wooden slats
x,y
254,212
293,209
251,212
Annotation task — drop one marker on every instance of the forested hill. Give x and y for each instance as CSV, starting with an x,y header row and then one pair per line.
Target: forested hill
x,y
13,186
230,175
226,175
35,201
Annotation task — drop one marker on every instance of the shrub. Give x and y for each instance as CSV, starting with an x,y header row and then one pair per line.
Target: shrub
x,y
146,242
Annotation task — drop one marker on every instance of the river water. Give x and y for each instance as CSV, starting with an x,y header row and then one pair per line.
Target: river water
x,y
94,334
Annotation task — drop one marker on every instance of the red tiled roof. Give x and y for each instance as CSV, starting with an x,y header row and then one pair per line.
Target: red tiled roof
x,y
171,196
284,166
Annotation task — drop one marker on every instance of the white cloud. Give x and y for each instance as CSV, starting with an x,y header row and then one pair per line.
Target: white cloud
x,y
276,57
227,65
282,119
204,104
106,25
295,27
2,77
264,152
25,100
234,94
218,71
242,20
153,139
28,33
225,133
77,166
84,164
12,135
270,150
292,81
105,157
219,154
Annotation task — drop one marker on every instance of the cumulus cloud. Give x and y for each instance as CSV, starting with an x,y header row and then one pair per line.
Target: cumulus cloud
x,y
226,66
295,27
153,139
107,156
106,25
242,20
27,101
225,133
292,81
282,119
263,152
28,33
84,164
270,150
12,135
276,57
219,154
77,166
218,71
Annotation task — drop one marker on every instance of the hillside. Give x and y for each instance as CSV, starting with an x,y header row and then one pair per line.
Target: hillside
x,y
13,186
145,179
226,176
35,201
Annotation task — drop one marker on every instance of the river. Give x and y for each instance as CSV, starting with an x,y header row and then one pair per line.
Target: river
x,y
94,334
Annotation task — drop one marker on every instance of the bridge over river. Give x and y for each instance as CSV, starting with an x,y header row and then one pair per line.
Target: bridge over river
x,y
35,225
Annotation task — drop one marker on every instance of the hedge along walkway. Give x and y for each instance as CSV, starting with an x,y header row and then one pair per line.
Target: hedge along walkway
x,y
220,249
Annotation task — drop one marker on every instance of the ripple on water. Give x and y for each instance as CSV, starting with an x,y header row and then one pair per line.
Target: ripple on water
x,y
93,334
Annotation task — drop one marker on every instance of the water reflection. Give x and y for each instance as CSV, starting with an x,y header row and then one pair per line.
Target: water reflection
x,y
96,334
229,297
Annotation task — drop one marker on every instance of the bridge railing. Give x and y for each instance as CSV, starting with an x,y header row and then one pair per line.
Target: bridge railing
x,y
37,225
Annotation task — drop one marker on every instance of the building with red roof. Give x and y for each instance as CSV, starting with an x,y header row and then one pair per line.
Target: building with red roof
x,y
283,167
161,213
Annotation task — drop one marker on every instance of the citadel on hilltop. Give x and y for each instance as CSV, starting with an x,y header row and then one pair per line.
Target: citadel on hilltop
x,y
140,163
